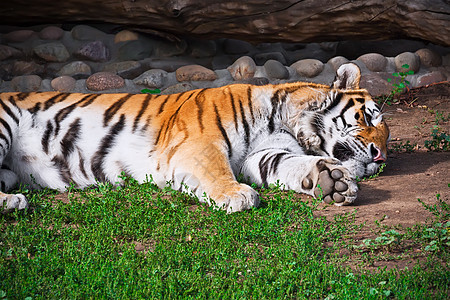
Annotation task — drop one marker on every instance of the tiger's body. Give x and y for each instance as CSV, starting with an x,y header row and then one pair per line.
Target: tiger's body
x,y
298,133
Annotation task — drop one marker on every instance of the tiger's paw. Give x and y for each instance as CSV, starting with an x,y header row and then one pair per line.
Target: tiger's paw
x,y
238,199
9,202
333,183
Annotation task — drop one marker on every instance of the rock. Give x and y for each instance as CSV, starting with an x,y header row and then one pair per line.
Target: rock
x,y
94,51
170,49
374,62
76,69
200,48
26,68
389,48
125,36
178,88
337,61
243,68
407,58
255,81
429,58
26,83
170,64
51,33
152,78
231,46
54,52
308,67
276,70
104,81
375,85
135,50
63,84
433,77
9,52
87,33
125,69
261,58
195,73
18,36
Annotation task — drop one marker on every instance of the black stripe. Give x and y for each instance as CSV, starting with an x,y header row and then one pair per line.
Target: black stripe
x,y
46,136
105,145
81,163
8,128
70,138
88,99
55,99
3,137
199,104
245,123
161,107
113,109
159,132
22,96
63,167
9,112
35,108
233,106
336,101
349,104
141,112
250,103
360,100
223,131
264,169
277,159
275,100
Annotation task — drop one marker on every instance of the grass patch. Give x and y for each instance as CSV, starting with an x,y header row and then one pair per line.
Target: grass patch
x,y
138,241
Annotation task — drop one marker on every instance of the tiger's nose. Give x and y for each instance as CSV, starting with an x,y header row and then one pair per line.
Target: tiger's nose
x,y
376,154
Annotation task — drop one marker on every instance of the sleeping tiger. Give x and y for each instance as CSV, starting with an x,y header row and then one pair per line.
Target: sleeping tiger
x,y
312,138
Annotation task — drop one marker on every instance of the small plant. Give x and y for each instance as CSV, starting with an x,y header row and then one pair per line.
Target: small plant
x,y
403,147
440,140
148,91
397,88
380,170
387,239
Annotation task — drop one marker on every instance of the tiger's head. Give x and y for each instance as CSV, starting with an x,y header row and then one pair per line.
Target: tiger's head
x,y
348,125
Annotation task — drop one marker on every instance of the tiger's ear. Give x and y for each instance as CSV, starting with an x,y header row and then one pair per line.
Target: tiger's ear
x,y
348,76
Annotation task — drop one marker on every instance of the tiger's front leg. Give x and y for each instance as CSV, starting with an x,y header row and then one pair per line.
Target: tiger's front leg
x,y
10,202
282,159
208,173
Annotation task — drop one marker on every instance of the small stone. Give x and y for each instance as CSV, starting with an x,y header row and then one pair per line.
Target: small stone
x,y
261,58
125,35
195,73
9,52
155,78
94,51
63,84
202,48
276,70
336,174
104,81
375,85
54,52
76,69
308,67
135,50
337,61
18,36
26,68
433,77
243,68
51,33
338,198
340,186
407,58
307,183
87,33
429,58
255,81
178,88
169,49
26,83
125,69
231,46
374,62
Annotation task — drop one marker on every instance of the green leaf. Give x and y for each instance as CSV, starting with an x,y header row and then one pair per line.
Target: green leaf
x,y
405,66
410,72
389,79
148,91
395,74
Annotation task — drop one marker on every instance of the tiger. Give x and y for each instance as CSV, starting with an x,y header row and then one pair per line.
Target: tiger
x,y
311,138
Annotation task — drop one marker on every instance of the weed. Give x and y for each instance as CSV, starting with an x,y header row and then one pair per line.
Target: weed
x,y
380,170
440,140
403,147
148,91
398,88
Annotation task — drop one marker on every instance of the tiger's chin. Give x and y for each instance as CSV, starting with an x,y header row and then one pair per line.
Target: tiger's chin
x,y
361,169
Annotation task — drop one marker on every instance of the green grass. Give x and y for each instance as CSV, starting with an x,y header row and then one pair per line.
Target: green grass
x,y
140,242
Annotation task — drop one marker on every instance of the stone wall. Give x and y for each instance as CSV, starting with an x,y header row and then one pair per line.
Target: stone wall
x,y
86,59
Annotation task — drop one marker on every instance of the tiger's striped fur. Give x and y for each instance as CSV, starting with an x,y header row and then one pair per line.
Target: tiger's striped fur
x,y
302,134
